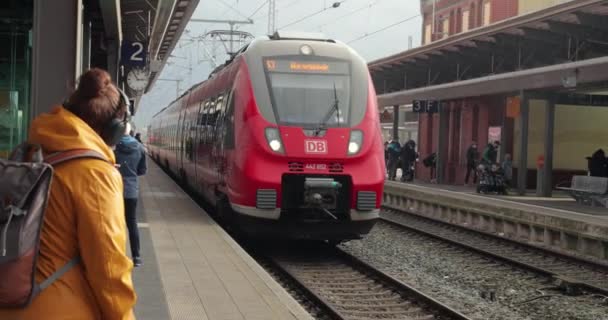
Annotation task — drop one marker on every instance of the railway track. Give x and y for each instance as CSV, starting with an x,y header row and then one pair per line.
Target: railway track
x,y
571,274
348,288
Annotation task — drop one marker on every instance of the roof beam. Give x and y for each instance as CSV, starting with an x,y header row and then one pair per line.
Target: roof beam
x,y
593,20
576,30
586,71
544,36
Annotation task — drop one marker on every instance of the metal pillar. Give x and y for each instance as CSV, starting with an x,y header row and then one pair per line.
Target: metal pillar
x,y
54,43
396,122
503,134
522,168
547,188
442,139
86,50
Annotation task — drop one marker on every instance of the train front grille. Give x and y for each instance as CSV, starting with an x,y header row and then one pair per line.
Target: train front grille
x,y
366,200
266,199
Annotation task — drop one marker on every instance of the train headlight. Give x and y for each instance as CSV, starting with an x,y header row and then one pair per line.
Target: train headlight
x,y
275,145
306,50
274,140
355,142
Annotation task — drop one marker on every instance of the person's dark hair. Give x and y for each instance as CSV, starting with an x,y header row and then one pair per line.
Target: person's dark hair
x,y
96,100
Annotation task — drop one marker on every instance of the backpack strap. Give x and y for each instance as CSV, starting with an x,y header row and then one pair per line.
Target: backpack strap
x,y
57,274
60,157
55,159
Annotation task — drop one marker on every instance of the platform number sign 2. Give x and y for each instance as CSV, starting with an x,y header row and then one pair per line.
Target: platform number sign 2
x,y
134,53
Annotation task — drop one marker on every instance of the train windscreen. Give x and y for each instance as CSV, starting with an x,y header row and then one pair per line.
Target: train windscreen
x,y
310,93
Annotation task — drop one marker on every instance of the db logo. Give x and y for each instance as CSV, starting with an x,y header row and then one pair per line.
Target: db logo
x,y
316,146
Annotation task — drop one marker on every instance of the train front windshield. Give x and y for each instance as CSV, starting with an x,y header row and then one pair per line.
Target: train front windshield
x,y
310,93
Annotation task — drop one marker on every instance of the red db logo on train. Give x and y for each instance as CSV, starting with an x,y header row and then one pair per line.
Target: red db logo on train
x,y
316,146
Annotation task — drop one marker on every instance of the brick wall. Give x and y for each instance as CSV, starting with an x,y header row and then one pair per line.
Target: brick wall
x,y
454,10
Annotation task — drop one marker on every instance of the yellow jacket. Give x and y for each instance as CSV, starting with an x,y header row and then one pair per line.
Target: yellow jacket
x,y
85,216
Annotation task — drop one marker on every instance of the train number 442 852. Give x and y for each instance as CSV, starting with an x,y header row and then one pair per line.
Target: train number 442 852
x,y
316,166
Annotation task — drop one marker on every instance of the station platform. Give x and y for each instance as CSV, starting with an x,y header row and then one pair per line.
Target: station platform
x,y
192,268
560,200
557,223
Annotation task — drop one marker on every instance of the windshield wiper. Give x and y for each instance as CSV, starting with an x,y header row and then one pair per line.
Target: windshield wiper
x,y
335,107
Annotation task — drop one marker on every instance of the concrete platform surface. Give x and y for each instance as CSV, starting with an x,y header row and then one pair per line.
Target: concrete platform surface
x,y
193,269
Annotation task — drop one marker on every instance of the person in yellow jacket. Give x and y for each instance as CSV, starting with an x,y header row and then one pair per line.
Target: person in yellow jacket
x,y
85,212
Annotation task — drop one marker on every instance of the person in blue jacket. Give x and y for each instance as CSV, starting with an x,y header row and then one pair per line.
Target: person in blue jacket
x,y
131,157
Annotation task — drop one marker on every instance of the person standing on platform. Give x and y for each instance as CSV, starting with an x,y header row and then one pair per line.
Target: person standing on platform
x,y
472,159
84,215
131,157
490,154
408,159
507,168
394,150
138,137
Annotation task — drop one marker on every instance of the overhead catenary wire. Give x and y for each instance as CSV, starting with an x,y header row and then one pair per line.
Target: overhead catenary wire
x,y
233,8
258,9
311,15
367,6
283,7
383,28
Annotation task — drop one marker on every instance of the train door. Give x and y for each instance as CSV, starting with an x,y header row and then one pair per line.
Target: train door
x,y
180,141
215,147
221,139
197,117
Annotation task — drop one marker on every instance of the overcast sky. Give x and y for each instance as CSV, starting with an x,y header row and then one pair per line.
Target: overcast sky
x,y
354,22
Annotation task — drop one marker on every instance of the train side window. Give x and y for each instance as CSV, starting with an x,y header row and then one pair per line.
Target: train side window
x,y
229,122
210,121
219,106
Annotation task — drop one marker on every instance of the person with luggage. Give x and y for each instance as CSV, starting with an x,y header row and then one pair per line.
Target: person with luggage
x,y
82,267
131,157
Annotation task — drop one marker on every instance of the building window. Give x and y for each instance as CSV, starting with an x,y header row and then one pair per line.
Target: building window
x,y
465,20
445,28
487,13
15,72
428,33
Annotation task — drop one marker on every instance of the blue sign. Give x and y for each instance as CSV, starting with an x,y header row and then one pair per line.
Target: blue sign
x,y
134,53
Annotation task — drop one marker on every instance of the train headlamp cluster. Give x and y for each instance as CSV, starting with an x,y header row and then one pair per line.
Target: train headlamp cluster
x,y
274,140
355,142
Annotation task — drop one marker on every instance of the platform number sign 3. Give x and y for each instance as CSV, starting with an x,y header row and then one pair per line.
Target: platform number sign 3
x,y
134,53
315,146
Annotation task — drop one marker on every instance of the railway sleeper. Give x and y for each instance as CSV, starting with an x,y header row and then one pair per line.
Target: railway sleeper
x,y
374,304
413,313
367,295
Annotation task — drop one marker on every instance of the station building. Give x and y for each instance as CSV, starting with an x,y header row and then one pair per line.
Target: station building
x,y
46,45
527,73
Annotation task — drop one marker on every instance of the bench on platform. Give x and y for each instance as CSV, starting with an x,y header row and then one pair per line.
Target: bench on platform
x,y
589,190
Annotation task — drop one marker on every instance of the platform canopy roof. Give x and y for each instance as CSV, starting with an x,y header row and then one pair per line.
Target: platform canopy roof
x,y
561,46
159,23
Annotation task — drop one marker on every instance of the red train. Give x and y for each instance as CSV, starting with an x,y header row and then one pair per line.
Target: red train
x,y
284,139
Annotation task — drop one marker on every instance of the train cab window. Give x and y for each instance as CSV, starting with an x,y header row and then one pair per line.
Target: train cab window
x,y
304,93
